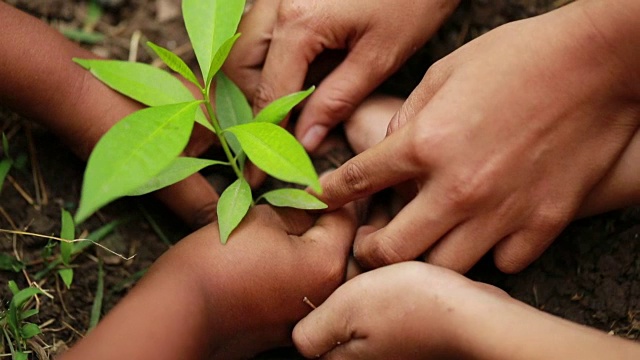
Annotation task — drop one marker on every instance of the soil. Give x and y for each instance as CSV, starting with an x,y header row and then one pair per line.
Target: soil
x,y
590,275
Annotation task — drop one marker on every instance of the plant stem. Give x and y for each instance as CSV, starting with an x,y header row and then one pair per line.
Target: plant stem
x,y
223,140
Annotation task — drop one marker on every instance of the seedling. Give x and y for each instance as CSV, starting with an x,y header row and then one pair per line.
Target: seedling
x,y
15,329
140,153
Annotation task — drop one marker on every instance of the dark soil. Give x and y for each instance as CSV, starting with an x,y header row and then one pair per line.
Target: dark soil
x,y
591,275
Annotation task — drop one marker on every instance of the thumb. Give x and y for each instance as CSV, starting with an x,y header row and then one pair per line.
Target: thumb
x,y
342,91
193,200
326,327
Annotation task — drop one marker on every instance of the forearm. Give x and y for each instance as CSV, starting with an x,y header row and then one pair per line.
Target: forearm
x,y
40,81
616,25
522,332
165,316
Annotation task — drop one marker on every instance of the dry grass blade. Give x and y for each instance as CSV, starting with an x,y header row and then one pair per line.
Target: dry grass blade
x,y
17,232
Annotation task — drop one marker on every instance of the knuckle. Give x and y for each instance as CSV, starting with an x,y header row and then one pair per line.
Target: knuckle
x,y
379,252
464,192
550,219
336,105
263,96
294,12
356,180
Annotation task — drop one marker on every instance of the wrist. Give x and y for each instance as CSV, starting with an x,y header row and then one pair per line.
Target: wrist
x,y
614,27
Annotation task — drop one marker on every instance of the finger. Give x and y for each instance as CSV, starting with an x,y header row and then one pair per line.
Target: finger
x,y
516,252
337,228
368,124
244,64
433,80
325,327
386,164
465,245
342,91
286,65
254,175
415,229
193,200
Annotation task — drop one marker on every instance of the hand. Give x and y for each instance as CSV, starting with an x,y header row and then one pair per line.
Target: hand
x,y
204,300
283,37
497,165
419,311
40,81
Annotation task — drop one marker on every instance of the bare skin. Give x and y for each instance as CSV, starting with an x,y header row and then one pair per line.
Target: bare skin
x,y
282,38
505,138
40,81
204,300
414,310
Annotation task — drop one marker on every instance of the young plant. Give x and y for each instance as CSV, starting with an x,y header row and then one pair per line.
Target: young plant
x,y
140,153
15,329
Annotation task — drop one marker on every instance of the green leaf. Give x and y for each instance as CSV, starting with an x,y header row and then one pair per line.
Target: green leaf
x,y
28,313
232,108
96,307
174,62
67,276
5,146
13,287
5,166
209,24
10,263
134,151
143,83
19,355
179,169
82,36
233,205
23,295
294,198
67,232
278,109
276,152
29,330
220,57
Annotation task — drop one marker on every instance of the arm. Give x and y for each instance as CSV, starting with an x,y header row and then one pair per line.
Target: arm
x,y
40,81
427,312
206,300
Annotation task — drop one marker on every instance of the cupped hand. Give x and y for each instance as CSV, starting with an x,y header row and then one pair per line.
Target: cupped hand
x,y
205,300
403,311
504,139
281,38
254,285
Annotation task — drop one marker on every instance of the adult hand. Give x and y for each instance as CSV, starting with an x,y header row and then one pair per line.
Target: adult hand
x,y
283,37
205,300
504,138
419,311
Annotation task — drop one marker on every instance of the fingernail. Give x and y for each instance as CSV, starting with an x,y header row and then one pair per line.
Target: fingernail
x,y
313,137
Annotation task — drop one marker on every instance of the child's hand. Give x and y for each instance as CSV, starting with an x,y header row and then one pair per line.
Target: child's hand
x,y
419,311
403,311
207,300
